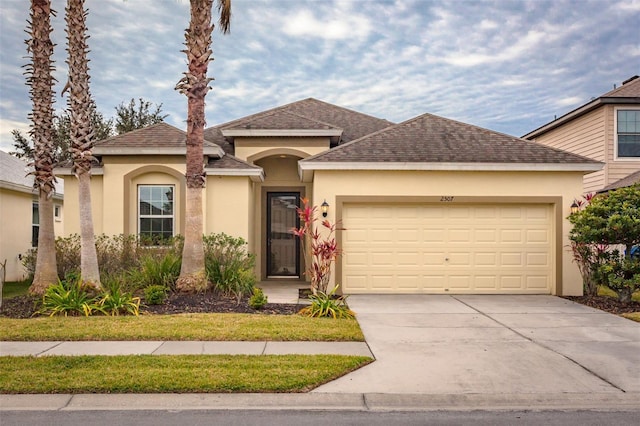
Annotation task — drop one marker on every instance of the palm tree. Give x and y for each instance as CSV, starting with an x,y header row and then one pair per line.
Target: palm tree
x,y
40,79
195,86
81,108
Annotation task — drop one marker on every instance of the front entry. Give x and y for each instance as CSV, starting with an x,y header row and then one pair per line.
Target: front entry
x,y
283,247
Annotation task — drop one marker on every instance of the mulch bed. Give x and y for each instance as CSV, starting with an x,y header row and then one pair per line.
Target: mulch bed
x,y
606,304
25,306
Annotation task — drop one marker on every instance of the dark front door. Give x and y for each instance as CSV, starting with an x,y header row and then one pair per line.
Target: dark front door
x,y
283,246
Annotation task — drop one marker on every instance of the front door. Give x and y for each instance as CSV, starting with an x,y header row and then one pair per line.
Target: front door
x,y
283,246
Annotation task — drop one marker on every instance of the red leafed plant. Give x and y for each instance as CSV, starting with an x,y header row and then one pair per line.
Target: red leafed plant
x,y
320,251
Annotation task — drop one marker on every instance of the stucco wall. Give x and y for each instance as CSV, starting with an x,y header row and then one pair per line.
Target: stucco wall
x,y
228,206
491,186
252,149
15,230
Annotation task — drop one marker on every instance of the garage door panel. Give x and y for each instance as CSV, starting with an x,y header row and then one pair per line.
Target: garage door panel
x,y
511,282
447,249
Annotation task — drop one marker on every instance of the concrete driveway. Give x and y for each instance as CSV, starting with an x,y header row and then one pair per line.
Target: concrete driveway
x,y
431,344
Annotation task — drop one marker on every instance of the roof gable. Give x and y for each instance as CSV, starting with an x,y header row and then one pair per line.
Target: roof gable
x,y
157,139
432,139
309,114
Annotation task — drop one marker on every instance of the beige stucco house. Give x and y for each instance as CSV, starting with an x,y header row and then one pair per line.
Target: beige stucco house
x,y
19,219
430,205
606,129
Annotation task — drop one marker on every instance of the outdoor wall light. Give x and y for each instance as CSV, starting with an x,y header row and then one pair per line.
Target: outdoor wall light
x,y
574,207
324,207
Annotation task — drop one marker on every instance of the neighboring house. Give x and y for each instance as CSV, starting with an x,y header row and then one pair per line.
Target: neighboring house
x,y
606,129
430,205
19,219
632,179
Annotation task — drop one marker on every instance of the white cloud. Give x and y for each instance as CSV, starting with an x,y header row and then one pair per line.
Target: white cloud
x,y
305,23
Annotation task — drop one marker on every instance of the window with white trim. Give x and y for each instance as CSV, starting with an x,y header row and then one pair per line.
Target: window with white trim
x,y
35,224
628,132
57,212
155,212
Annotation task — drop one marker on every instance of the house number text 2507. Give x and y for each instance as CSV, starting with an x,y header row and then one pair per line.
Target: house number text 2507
x,y
446,198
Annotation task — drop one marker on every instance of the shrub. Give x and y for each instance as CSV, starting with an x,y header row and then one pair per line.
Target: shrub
x,y
621,276
153,269
115,302
67,298
258,299
155,294
228,264
327,305
116,254
319,251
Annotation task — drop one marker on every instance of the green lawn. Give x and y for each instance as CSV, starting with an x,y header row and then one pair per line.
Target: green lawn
x,y
214,327
180,374
14,288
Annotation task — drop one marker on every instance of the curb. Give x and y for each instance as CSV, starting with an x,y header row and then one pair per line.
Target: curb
x,y
323,402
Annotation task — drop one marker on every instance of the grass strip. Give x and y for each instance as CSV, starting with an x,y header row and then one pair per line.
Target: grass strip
x,y
15,288
168,374
208,327
634,316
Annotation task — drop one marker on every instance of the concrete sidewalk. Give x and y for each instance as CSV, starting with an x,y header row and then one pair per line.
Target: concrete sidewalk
x,y
182,348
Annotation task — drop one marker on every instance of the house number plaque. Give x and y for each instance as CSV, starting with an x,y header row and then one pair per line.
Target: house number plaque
x,y
446,198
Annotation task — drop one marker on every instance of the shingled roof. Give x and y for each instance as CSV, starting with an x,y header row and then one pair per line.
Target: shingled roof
x,y
308,114
627,94
158,139
14,175
629,180
429,141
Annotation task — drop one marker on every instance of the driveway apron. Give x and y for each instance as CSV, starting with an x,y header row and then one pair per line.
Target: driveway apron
x,y
454,344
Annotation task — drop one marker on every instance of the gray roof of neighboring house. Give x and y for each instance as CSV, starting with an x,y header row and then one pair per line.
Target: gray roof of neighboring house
x,y
629,180
627,94
14,172
432,139
304,114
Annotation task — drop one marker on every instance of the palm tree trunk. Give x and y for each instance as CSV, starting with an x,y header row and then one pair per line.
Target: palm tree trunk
x,y
88,255
195,86
40,79
81,108
46,272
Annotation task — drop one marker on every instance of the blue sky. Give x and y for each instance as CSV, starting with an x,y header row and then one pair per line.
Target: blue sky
x,y
508,66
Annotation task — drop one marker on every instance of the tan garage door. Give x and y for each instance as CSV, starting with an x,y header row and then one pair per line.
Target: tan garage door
x,y
447,248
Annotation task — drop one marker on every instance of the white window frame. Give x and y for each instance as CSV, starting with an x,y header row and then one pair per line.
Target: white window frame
x,y
57,212
150,216
615,133
35,225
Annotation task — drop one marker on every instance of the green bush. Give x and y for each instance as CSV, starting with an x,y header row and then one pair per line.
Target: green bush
x,y
116,302
621,275
155,269
327,305
116,254
228,264
155,294
68,298
258,299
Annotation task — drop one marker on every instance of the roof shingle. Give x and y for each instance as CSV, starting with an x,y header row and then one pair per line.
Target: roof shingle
x,y
432,139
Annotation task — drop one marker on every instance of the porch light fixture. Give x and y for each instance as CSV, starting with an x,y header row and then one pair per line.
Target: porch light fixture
x,y
574,207
324,207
